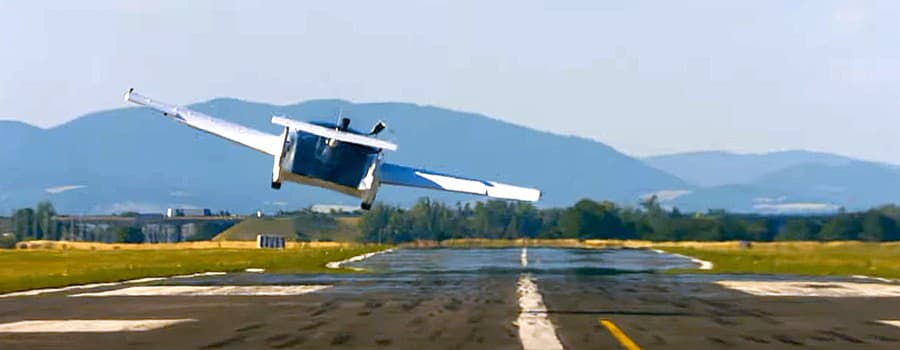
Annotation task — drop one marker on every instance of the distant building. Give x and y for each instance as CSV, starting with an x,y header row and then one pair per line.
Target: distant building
x,y
173,212
147,218
334,208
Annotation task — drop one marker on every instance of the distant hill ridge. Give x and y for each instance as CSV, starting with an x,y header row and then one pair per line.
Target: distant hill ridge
x,y
796,180
134,159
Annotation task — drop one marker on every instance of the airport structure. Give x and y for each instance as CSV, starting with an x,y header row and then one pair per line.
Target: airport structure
x,y
334,209
156,228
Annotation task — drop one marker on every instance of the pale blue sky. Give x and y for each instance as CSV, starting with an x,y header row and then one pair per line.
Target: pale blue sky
x,y
645,77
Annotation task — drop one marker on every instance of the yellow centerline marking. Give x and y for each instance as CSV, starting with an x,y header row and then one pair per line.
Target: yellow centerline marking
x,y
623,339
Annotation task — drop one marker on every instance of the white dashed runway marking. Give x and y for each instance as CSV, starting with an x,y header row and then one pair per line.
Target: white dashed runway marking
x,y
813,289
91,326
536,332
895,323
207,291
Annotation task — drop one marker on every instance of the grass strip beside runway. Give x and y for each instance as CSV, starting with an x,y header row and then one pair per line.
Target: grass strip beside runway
x,y
30,269
801,258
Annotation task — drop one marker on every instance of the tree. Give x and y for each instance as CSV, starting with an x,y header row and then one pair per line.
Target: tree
x,y
798,230
129,234
45,228
841,227
23,223
589,219
526,220
7,241
878,227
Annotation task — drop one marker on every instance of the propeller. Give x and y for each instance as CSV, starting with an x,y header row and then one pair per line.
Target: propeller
x,y
377,128
343,123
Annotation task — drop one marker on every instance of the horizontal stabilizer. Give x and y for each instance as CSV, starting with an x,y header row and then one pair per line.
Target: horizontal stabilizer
x,y
392,174
334,134
255,139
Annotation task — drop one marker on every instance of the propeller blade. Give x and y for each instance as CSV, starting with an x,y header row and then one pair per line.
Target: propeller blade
x,y
377,128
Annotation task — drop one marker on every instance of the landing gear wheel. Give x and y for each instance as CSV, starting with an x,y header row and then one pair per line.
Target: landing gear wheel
x,y
365,206
276,185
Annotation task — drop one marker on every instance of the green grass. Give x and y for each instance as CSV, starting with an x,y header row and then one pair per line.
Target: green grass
x,y
802,258
29,269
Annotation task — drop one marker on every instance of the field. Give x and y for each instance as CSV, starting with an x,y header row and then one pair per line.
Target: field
x,y
180,245
40,268
802,258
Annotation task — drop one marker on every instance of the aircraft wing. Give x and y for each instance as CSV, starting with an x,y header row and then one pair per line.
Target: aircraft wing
x,y
392,174
334,134
255,139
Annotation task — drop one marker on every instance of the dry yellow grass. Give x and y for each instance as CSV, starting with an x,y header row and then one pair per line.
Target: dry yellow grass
x,y
619,243
63,245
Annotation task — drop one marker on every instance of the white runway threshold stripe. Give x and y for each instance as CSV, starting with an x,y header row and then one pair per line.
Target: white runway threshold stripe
x,y
264,290
814,289
88,326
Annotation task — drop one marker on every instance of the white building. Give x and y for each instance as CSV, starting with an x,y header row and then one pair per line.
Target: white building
x,y
333,208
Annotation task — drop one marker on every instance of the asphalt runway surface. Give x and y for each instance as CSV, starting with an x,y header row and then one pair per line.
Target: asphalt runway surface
x,y
542,298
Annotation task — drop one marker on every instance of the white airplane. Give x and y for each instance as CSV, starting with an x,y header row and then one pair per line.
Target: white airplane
x,y
333,156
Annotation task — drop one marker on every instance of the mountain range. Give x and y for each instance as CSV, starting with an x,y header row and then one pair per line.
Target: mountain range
x,y
132,159
792,181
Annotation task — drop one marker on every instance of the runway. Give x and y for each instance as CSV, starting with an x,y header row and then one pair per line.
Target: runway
x,y
539,298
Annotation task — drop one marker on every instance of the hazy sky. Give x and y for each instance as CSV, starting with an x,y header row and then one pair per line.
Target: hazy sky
x,y
645,77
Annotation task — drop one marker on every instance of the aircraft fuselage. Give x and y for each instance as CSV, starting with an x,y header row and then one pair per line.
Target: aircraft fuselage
x,y
338,166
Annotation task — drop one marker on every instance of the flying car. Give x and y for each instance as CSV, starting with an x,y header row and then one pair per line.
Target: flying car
x,y
333,156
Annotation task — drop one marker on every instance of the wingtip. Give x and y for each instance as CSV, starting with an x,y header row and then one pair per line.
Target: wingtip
x,y
128,94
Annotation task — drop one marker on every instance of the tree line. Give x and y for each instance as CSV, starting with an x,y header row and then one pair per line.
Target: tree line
x,y
588,219
35,223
